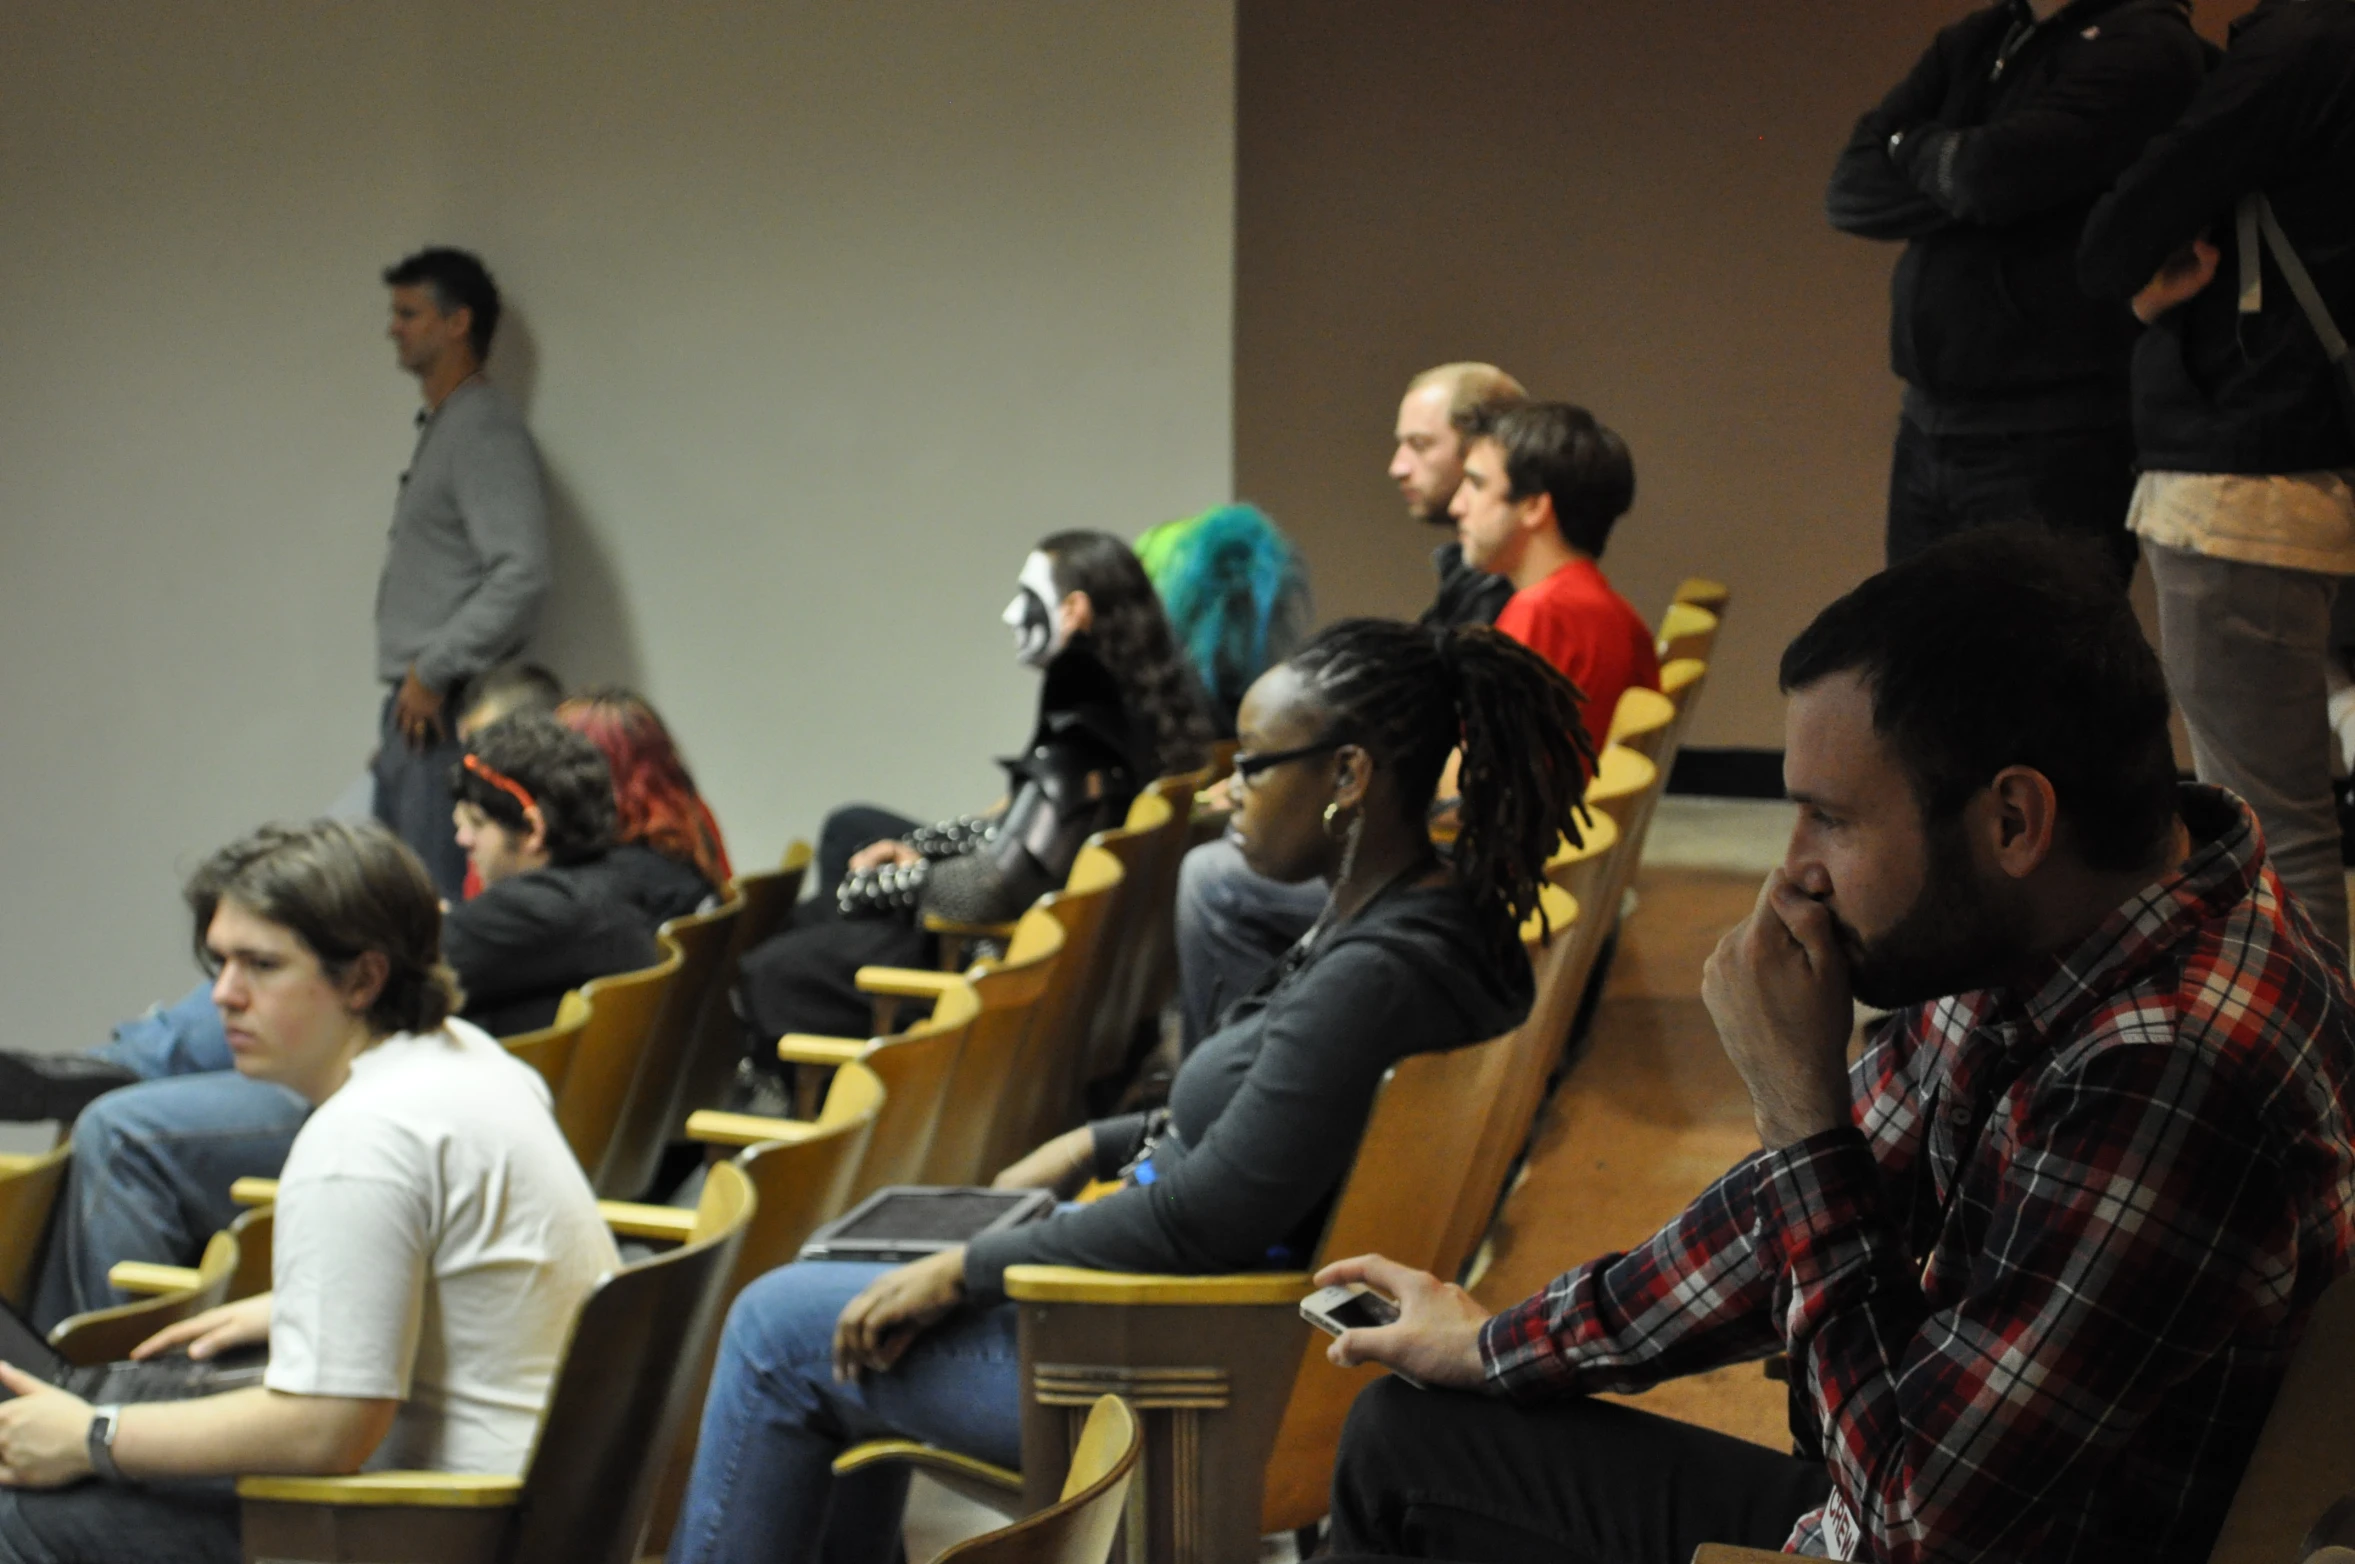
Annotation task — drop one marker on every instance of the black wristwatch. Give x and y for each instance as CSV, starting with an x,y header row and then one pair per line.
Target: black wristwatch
x,y
103,1423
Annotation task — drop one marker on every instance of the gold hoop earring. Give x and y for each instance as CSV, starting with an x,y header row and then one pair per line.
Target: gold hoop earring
x,y
1332,812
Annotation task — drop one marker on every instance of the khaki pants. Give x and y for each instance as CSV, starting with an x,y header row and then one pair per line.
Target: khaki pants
x,y
2244,647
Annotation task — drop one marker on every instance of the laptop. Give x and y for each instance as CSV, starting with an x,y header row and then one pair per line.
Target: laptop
x,y
173,1377
905,1222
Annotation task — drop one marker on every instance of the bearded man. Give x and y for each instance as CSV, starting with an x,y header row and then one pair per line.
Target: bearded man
x,y
2040,1255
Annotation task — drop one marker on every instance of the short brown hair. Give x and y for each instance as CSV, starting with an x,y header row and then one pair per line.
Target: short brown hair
x,y
343,889
1475,392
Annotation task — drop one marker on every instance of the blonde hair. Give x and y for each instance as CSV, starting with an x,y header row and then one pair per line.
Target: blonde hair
x,y
1474,390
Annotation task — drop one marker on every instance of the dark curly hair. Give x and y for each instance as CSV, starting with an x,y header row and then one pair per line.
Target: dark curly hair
x,y
564,774
1132,637
343,888
1408,695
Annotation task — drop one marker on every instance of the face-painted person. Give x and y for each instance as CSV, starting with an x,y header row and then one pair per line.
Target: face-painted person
x,y
1116,709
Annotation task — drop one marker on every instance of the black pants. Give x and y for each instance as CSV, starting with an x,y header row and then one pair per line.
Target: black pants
x,y
1443,1474
806,978
2075,481
413,794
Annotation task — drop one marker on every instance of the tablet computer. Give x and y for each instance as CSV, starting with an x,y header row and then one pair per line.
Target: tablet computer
x,y
905,1222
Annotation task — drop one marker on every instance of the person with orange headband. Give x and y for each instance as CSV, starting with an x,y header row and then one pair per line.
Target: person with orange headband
x,y
535,813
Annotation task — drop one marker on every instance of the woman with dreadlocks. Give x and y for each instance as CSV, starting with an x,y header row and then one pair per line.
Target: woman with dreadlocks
x,y
1341,749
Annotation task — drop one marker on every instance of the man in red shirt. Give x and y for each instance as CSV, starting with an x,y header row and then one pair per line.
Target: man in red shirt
x,y
1543,485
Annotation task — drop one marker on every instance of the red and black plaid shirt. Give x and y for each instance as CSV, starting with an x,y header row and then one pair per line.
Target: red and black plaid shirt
x,y
2038,1301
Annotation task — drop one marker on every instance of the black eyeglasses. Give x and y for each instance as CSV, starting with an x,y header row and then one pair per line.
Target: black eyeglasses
x,y
1248,767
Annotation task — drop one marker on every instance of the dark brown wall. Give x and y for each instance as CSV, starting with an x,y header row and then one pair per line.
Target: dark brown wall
x,y
1621,201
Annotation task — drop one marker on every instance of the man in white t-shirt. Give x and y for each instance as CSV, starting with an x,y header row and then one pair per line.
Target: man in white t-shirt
x,y
433,1239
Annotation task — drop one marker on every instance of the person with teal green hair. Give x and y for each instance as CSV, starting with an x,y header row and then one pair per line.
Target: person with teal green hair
x,y
1236,594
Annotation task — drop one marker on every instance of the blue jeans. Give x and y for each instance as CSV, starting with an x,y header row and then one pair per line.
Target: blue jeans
x,y
1232,925
182,1038
150,1178
764,1487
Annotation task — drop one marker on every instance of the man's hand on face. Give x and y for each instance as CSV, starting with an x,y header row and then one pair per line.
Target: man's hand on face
x,y
417,712
1436,1337
44,1433
1777,988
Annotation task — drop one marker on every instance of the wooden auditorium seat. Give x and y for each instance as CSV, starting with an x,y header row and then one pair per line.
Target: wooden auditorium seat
x,y
1218,1365
617,1405
1079,1527
28,1196
652,1114
767,897
1013,990
802,1173
915,1066
108,1335
622,1011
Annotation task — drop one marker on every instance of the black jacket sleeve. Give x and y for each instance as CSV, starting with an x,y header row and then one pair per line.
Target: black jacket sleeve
x,y
1869,196
535,934
2248,113
2073,137
1280,1148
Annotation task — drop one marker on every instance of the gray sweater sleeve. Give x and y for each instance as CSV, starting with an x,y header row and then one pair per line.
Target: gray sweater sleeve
x,y
1279,1149
504,509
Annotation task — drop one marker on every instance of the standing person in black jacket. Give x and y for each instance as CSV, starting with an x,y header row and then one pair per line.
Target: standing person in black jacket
x,y
2245,500
1985,160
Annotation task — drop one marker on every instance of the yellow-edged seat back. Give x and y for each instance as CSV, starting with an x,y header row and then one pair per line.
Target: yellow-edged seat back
x,y
718,1044
617,1405
622,1011
1080,1526
1686,630
28,1196
655,1112
108,1335
916,1067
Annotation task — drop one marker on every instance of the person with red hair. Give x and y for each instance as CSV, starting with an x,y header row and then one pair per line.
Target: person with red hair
x,y
666,832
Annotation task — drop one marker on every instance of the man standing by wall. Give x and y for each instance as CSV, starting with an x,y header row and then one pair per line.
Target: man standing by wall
x,y
1435,422
467,565
1985,159
2247,498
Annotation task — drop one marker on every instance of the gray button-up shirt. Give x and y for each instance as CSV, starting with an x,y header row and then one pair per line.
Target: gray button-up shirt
x,y
466,568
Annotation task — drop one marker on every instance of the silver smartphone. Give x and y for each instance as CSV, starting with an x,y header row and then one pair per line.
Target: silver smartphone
x,y
1351,1306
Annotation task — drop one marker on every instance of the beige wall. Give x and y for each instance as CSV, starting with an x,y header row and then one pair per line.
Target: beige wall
x,y
822,314
1622,202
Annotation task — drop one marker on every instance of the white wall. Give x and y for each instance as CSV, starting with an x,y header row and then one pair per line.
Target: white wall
x,y
821,313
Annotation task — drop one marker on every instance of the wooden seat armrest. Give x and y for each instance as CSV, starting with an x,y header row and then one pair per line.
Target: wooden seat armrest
x,y
932,1458
432,1490
905,982
804,1048
1070,1284
1727,1553
254,1191
714,1128
148,1279
934,923
663,1224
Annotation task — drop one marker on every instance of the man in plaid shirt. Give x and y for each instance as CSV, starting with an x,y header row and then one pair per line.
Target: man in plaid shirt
x,y
2039,1257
